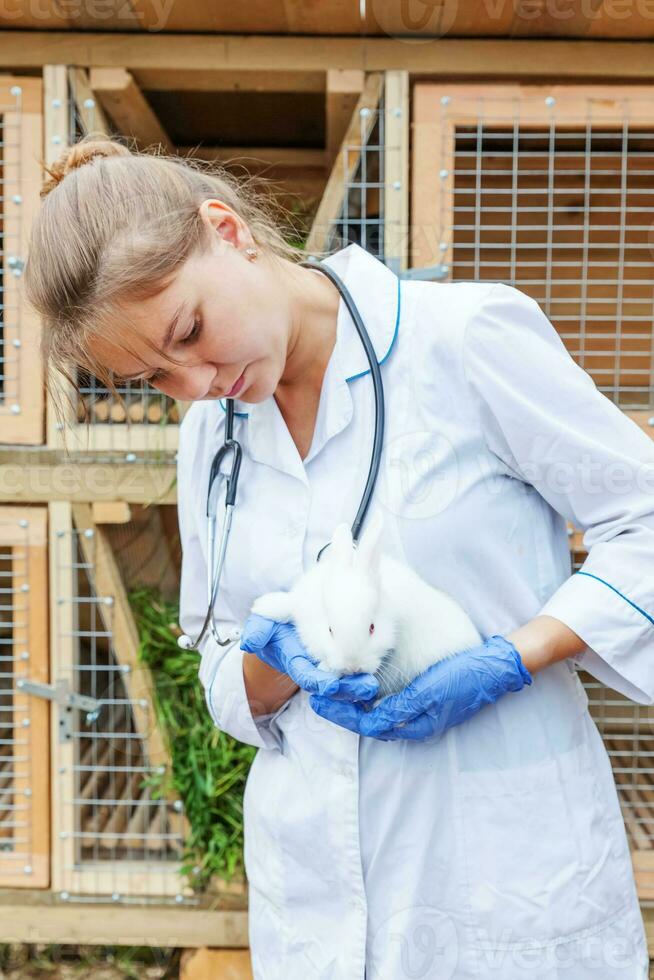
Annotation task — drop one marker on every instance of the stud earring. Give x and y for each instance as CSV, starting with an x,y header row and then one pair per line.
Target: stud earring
x,y
251,253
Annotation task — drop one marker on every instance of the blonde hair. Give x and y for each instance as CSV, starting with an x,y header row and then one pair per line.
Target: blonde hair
x,y
117,224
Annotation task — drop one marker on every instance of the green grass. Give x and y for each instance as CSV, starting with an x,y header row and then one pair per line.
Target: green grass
x,y
209,767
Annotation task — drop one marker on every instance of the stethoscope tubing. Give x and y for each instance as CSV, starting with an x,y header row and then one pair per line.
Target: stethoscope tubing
x,y
231,445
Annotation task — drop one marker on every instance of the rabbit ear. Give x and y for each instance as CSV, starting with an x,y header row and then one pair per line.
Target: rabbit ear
x,y
274,605
341,550
368,551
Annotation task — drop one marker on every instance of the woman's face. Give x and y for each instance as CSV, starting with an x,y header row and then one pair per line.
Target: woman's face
x,y
224,316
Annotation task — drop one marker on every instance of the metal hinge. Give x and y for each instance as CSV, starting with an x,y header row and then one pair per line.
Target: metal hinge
x,y
61,694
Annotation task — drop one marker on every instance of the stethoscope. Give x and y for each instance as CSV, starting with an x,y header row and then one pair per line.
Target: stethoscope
x,y
231,446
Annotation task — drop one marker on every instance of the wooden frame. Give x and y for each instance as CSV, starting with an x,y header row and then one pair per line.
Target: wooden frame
x,y
70,874
439,111
22,406
345,164
443,58
110,430
24,772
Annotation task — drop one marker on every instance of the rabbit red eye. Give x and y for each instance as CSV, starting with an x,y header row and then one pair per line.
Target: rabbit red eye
x,y
372,628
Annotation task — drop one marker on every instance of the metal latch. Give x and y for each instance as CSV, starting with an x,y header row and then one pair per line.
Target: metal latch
x,y
61,694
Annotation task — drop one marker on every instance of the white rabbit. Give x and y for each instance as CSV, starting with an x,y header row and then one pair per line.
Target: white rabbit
x,y
358,610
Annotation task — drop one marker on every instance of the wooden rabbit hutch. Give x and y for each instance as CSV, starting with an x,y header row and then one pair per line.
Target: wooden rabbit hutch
x,y
509,158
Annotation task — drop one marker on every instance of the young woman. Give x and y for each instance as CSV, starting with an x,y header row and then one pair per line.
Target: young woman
x,y
474,831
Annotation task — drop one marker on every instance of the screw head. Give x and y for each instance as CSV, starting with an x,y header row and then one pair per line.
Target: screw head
x,y
15,409
397,185
25,655
64,896
365,112
56,139
89,103
115,897
27,870
16,90
650,421
27,792
550,101
397,112
56,103
179,899
445,100
23,523
89,532
109,600
130,458
17,199
178,806
26,723
16,342
443,174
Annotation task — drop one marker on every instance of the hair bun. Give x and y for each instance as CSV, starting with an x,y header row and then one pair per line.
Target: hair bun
x,y
80,153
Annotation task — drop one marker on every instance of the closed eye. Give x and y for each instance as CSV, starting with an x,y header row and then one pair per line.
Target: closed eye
x,y
190,338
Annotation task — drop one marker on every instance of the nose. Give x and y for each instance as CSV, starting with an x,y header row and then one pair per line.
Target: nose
x,y
192,383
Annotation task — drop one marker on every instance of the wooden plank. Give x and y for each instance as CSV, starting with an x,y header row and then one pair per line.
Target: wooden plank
x,y
23,404
24,530
40,476
111,512
345,163
207,964
344,89
221,80
63,587
450,58
122,99
92,115
44,918
138,681
396,170
257,157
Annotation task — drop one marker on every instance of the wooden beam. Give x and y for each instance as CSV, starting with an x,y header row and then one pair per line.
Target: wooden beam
x,y
41,917
345,163
343,91
122,99
88,108
111,512
210,80
396,170
41,476
255,157
441,58
208,964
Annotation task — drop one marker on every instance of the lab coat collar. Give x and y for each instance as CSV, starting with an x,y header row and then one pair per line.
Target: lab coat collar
x,y
375,290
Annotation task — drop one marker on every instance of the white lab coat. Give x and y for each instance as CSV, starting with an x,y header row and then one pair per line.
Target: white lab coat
x,y
498,850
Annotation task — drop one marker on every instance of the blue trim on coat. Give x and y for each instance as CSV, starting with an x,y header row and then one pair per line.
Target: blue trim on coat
x,y
361,373
617,592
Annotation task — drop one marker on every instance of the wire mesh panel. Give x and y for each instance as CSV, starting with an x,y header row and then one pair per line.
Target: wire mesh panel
x,y
21,382
116,838
139,421
24,742
627,729
549,190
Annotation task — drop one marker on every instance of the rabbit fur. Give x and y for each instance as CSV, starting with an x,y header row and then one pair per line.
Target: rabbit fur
x,y
359,610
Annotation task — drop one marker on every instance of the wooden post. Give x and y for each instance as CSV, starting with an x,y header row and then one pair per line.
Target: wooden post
x,y
215,964
396,170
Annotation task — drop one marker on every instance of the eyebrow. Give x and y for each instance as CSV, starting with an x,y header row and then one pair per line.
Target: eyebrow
x,y
165,345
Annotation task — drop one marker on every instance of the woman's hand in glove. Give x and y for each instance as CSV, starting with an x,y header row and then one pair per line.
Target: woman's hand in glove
x,y
279,646
444,695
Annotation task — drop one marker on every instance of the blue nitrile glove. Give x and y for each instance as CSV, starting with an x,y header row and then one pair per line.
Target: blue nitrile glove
x,y
279,646
444,695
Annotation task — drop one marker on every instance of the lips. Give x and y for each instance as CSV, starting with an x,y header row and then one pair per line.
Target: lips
x,y
236,387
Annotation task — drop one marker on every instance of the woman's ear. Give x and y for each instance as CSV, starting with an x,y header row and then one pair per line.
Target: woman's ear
x,y
220,218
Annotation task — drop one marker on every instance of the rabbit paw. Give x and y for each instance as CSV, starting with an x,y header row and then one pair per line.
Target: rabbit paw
x,y
274,605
